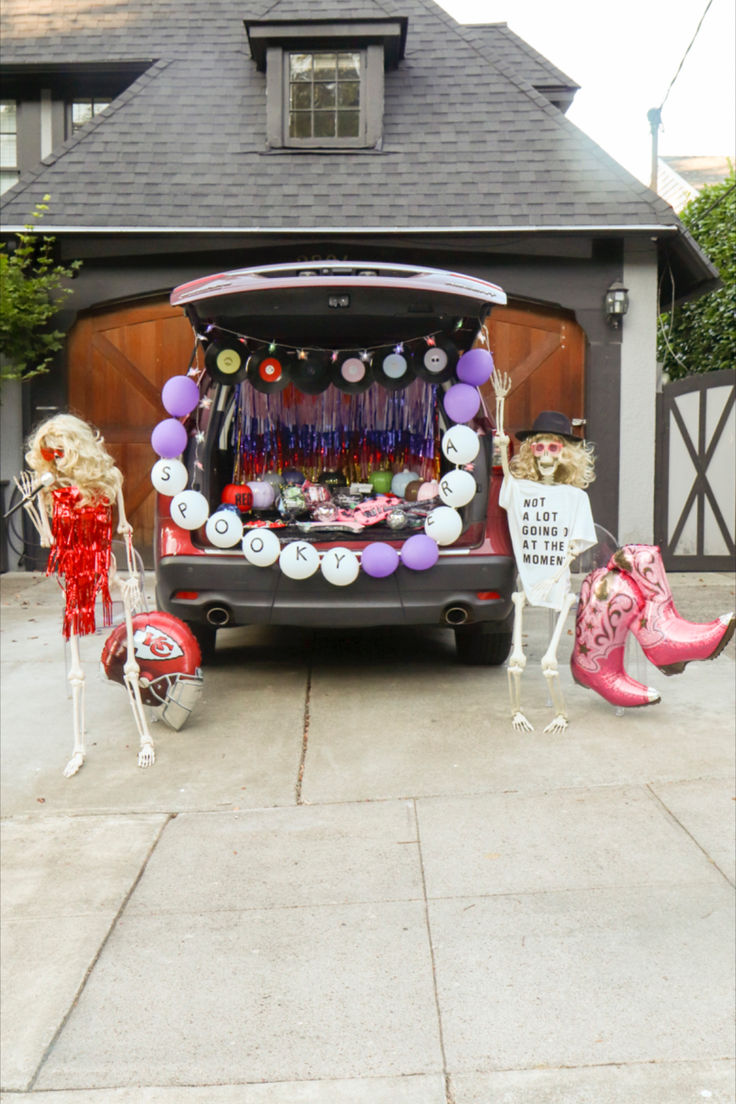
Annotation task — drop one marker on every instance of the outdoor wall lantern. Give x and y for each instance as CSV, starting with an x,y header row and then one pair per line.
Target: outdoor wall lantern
x,y
616,304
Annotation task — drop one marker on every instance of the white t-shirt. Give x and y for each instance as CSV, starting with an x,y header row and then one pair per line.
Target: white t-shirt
x,y
543,520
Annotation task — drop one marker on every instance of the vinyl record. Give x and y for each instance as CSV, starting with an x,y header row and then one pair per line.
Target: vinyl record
x,y
226,360
393,370
351,374
268,372
436,363
310,374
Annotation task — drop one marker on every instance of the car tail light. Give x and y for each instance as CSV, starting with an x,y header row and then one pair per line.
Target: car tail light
x,y
487,595
186,595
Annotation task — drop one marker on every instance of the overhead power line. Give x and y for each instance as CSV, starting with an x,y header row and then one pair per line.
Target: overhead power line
x,y
682,62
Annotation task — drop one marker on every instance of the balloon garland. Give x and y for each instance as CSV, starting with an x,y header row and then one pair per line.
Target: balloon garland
x,y
298,559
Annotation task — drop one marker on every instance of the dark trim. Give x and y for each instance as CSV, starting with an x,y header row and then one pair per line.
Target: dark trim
x,y
326,33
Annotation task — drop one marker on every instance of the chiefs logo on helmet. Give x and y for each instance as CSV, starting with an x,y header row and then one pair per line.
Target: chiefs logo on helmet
x,y
169,658
153,643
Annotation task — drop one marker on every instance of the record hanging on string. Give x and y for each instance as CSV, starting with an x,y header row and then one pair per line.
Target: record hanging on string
x,y
310,374
351,373
393,368
436,362
226,360
268,371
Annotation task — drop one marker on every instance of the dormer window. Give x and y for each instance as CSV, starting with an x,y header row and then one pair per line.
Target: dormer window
x,y
324,95
324,80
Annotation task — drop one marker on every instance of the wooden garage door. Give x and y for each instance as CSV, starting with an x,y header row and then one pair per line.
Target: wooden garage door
x,y
118,362
544,354
120,359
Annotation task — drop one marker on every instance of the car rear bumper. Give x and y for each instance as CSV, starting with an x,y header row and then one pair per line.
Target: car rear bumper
x,y
457,590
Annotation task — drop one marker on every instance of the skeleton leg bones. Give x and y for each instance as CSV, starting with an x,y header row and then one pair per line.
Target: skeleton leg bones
x,y
76,681
131,673
551,672
516,665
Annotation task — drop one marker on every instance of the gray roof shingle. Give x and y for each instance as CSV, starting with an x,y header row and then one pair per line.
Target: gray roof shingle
x,y
467,140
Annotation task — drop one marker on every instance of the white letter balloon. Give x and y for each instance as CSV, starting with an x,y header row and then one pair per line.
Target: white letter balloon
x,y
460,444
299,560
444,525
457,487
340,566
224,529
169,477
261,547
190,509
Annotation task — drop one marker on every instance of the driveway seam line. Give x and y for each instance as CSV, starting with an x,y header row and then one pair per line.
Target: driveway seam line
x,y
96,957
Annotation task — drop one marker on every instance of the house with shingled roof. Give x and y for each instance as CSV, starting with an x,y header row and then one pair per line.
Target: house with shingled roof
x,y
176,138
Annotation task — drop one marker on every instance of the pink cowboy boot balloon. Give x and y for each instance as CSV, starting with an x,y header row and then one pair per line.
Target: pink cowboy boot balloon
x,y
609,607
667,640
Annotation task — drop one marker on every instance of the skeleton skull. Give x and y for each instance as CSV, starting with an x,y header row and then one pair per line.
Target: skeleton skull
x,y
547,451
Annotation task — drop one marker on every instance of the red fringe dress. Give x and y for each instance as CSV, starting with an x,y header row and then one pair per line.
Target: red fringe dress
x,y
80,556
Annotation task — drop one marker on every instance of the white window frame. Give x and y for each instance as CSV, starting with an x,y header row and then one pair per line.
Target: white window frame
x,y
10,173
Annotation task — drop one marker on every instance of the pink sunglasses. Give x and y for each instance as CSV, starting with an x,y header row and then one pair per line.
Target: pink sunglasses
x,y
552,447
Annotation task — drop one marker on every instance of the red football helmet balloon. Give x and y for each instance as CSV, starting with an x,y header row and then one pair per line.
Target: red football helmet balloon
x,y
169,658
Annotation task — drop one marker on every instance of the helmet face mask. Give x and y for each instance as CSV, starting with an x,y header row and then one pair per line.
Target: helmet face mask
x,y
168,657
177,696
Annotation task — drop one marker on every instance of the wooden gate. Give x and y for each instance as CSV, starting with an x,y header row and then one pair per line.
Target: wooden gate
x,y
695,502
543,352
118,362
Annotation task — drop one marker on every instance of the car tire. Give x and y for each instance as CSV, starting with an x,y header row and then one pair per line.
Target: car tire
x,y
478,647
206,636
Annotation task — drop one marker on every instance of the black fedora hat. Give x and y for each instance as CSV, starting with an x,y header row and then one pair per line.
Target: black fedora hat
x,y
550,421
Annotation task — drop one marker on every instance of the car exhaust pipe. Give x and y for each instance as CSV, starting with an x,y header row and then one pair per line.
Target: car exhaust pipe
x,y
456,615
219,616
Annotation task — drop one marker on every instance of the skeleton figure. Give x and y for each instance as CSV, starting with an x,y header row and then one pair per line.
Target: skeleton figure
x,y
550,523
72,513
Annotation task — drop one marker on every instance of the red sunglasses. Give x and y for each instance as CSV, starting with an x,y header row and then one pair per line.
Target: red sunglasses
x,y
50,454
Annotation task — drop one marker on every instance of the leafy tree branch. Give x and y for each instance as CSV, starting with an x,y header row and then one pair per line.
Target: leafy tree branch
x,y
32,291
700,336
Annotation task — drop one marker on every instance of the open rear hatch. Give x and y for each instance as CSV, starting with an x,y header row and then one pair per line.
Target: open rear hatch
x,y
328,382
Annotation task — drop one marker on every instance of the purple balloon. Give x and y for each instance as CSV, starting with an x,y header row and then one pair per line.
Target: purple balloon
x,y
475,367
379,560
419,552
180,395
462,402
169,438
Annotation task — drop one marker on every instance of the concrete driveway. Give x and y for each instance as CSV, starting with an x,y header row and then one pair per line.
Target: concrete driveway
x,y
348,881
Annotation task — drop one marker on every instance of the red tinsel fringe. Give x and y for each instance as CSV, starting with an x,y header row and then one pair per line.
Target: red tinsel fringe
x,y
81,557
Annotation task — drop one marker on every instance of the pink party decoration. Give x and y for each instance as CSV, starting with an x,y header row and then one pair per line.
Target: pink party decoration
x,y
169,438
180,395
475,367
379,560
419,552
462,402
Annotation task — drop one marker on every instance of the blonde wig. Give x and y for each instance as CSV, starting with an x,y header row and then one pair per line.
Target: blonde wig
x,y
576,466
85,462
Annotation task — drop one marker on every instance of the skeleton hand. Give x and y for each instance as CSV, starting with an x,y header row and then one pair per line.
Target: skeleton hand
x,y
28,484
146,755
541,591
501,384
